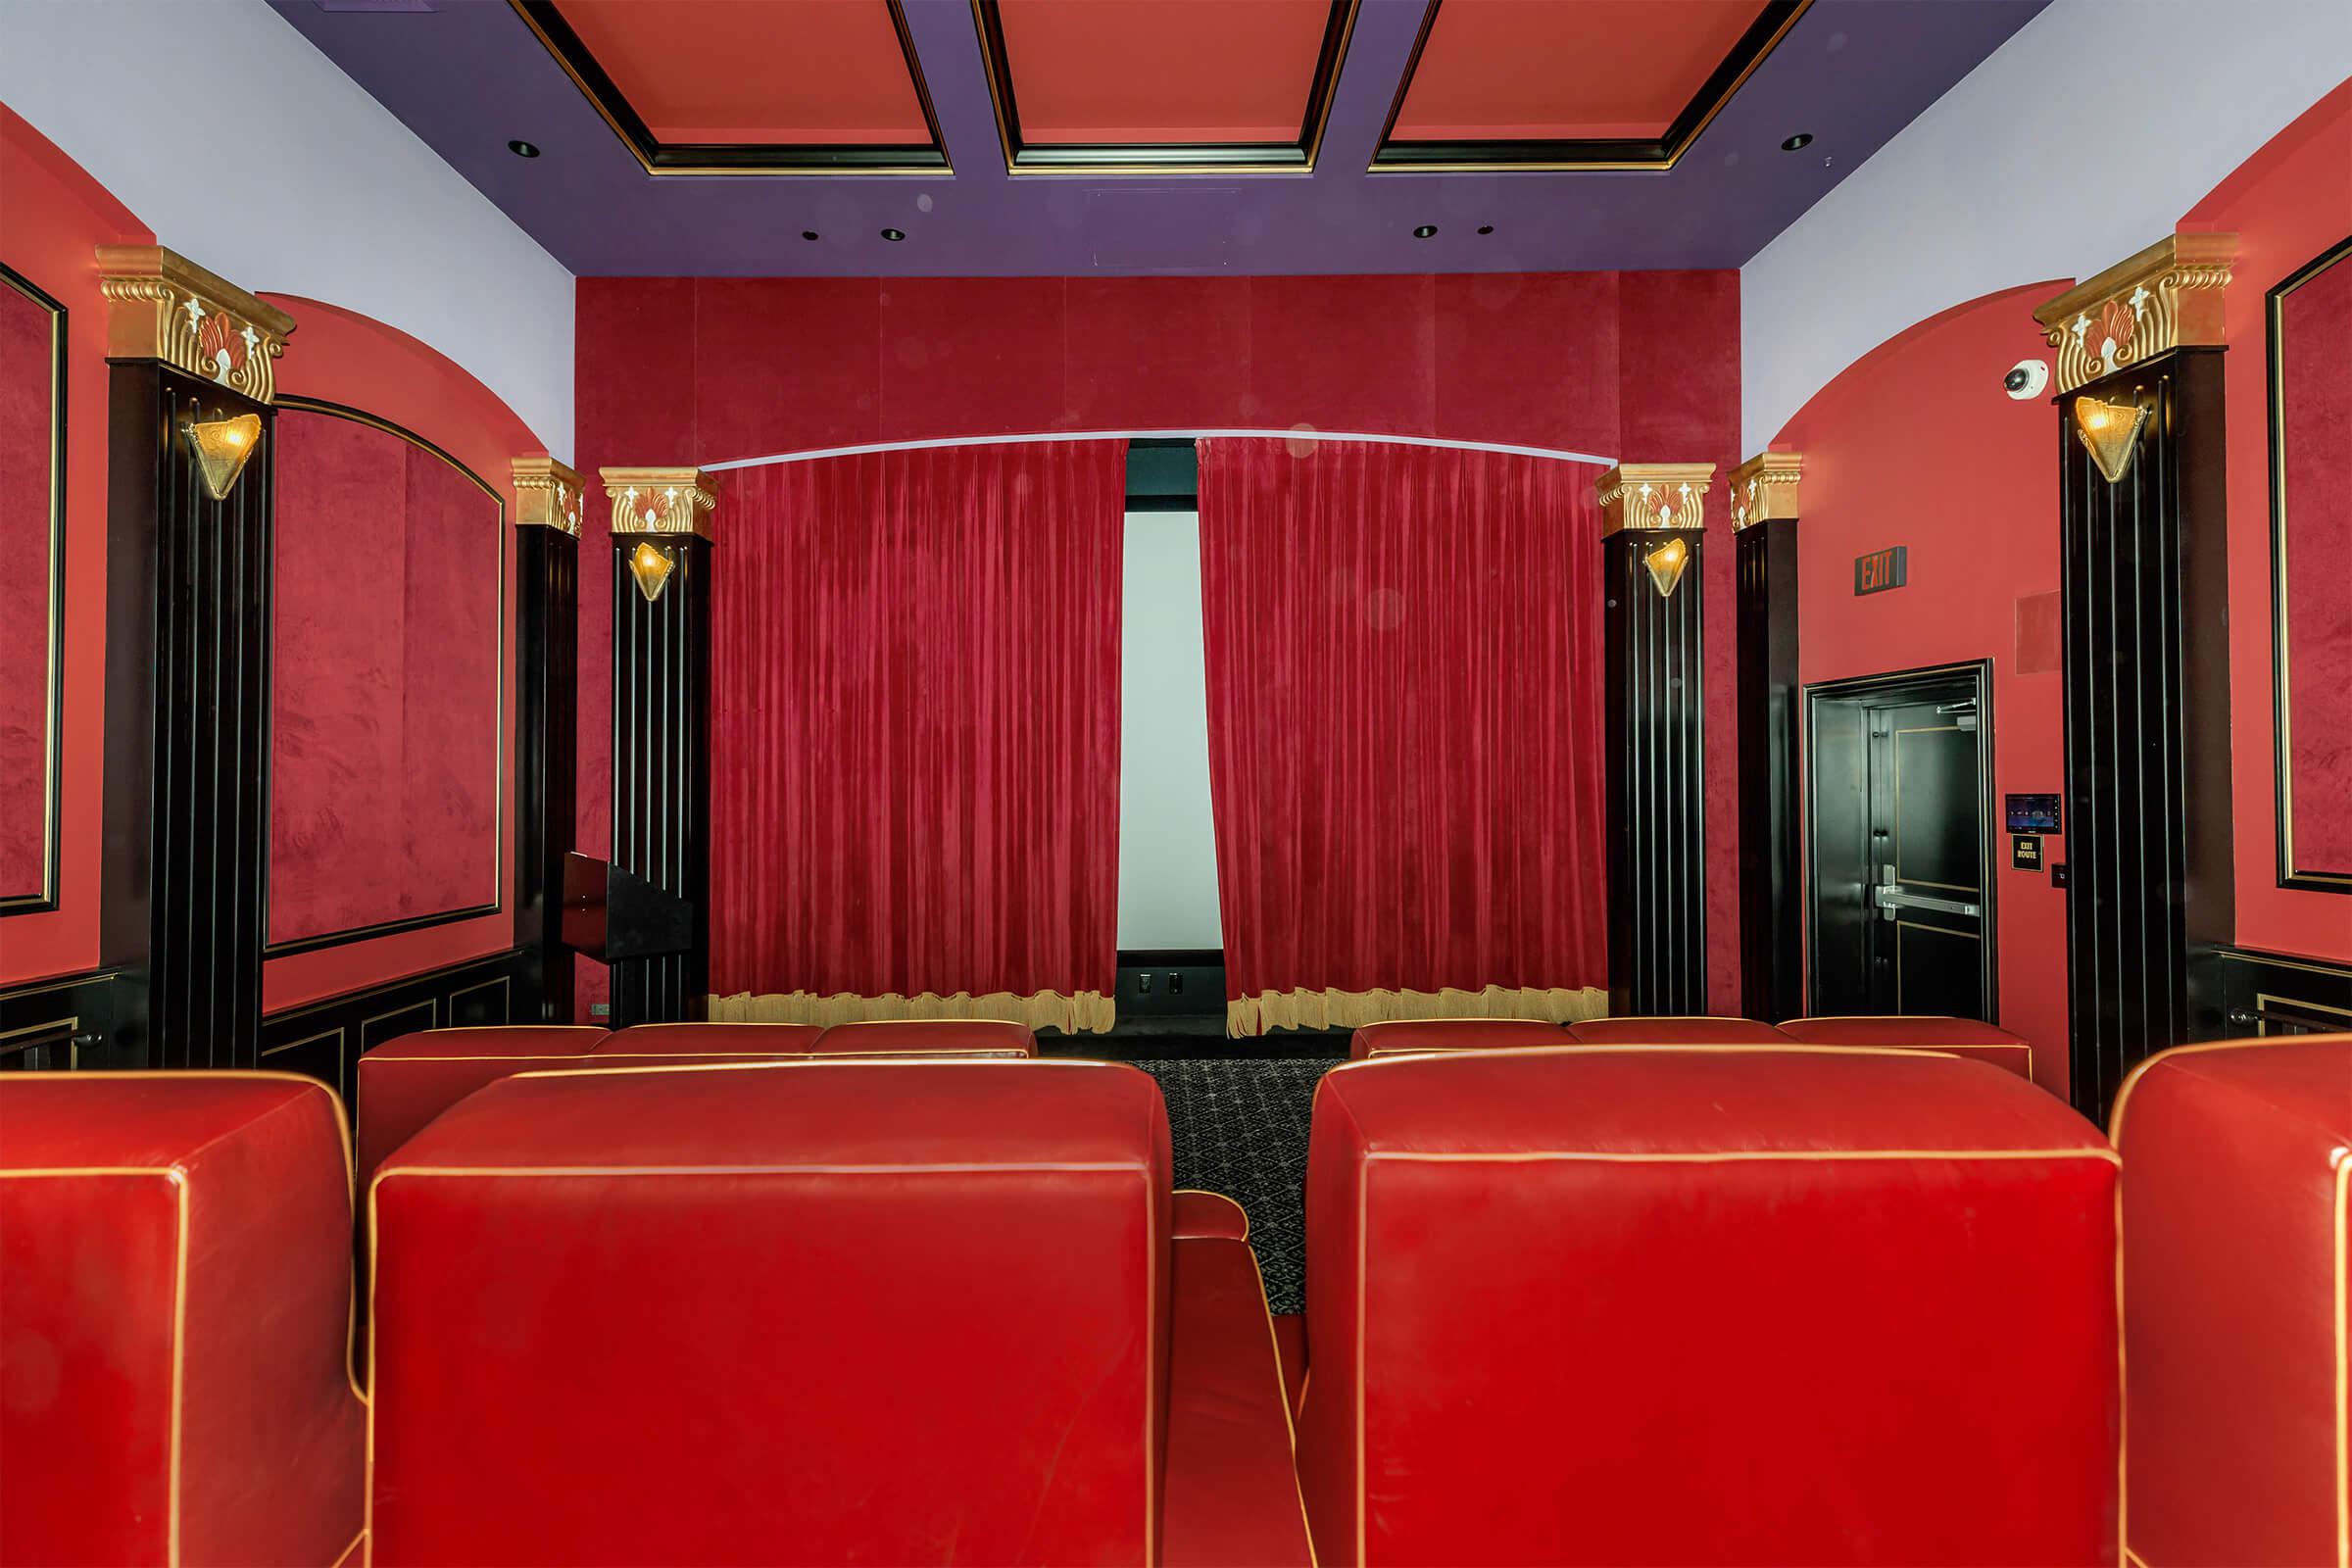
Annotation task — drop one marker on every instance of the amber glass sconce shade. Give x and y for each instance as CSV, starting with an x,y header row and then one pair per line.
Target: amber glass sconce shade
x,y
220,448
1666,564
652,565
2111,432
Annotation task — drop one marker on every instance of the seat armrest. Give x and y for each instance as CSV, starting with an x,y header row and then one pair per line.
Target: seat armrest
x,y
1207,1216
1232,1487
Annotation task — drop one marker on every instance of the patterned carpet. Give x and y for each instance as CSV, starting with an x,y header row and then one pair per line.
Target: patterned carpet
x,y
1238,1127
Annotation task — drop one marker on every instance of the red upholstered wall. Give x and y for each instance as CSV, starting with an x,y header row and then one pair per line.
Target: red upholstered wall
x,y
52,217
1641,366
2287,204
28,353
337,356
1914,444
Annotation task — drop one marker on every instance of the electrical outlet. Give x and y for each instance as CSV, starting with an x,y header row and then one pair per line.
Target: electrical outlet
x,y
1143,984
1175,984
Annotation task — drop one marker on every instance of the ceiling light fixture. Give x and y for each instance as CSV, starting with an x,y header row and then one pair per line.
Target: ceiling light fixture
x,y
522,149
894,235
1486,229
1798,142
1425,232
808,233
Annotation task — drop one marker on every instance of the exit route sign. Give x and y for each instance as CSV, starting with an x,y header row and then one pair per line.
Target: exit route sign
x,y
1879,570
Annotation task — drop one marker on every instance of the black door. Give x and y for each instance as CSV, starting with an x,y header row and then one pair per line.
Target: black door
x,y
1897,783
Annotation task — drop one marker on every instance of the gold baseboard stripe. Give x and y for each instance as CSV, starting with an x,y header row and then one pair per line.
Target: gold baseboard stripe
x,y
1351,1009
1080,1012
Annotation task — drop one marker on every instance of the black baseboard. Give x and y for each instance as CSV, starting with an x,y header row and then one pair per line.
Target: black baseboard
x,y
325,1039
63,1023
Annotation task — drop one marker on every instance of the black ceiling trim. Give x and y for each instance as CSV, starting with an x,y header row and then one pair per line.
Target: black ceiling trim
x,y
546,20
1771,25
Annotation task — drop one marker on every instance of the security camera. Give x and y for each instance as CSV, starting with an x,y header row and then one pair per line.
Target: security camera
x,y
2027,378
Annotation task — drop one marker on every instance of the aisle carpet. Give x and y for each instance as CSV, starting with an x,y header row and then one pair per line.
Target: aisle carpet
x,y
1238,1127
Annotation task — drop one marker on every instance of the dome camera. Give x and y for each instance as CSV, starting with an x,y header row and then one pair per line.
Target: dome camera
x,y
2027,378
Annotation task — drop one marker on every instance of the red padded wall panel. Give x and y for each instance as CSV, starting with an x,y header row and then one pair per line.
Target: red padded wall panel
x,y
760,340
952,345
1520,358
1354,355
1157,352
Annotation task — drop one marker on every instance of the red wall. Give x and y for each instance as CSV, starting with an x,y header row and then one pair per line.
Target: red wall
x,y
53,217
342,357
1642,365
2287,204
1916,443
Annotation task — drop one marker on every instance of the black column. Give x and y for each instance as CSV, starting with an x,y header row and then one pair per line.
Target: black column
x,y
1772,962
661,730
547,506
188,720
1657,842
2145,591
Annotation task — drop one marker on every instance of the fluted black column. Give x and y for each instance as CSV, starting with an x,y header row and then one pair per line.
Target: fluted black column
x,y
1652,547
185,803
547,506
661,723
1772,958
2145,595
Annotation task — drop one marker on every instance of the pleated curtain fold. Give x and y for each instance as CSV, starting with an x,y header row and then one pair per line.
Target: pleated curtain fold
x,y
1404,667
916,736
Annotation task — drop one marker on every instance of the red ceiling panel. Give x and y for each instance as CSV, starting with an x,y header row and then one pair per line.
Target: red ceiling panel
x,y
1163,71
755,72
1549,71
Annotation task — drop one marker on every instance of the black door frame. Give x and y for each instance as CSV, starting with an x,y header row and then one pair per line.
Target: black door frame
x,y
1975,670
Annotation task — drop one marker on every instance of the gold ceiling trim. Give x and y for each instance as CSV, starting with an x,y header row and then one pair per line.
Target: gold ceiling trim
x,y
662,501
2167,297
1648,497
548,495
1764,489
162,306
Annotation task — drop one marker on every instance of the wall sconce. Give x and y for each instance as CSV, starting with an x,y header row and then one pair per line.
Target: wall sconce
x,y
1666,564
2111,432
220,448
652,565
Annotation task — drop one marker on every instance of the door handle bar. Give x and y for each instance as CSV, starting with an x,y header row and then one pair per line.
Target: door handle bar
x,y
1888,900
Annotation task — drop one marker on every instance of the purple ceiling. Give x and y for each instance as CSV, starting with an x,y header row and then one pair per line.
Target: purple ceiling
x,y
468,76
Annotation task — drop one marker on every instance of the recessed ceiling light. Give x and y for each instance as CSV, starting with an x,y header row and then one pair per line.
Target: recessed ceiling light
x,y
1486,229
894,234
1798,142
1425,232
522,149
808,233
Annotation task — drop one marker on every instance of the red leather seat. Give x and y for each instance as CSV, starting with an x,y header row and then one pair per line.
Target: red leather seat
x,y
1614,1304
2238,1237
404,1083
175,1321
1676,1032
713,1042
929,1037
813,1312
1410,1036
1958,1037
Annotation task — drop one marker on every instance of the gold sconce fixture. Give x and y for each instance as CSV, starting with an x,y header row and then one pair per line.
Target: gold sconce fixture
x,y
2110,431
1666,564
653,565
220,448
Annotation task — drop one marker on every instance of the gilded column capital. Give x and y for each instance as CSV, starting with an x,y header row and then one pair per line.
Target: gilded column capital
x,y
2167,297
1764,488
672,501
162,306
548,495
1652,496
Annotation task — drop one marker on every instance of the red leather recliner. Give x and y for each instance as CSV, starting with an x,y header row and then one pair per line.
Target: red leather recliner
x,y
2238,1237
404,1083
175,1321
910,1311
1411,1036
1610,1304
1676,1031
1958,1037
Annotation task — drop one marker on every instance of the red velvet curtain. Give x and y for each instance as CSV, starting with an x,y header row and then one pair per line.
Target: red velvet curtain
x,y
1404,727
915,735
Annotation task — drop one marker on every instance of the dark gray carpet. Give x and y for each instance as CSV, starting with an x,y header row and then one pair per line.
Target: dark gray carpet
x,y
1238,1127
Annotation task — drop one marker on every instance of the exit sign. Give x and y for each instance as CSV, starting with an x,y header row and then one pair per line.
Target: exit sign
x,y
1879,570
